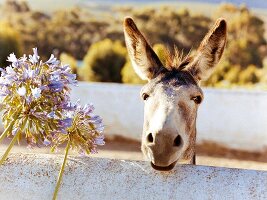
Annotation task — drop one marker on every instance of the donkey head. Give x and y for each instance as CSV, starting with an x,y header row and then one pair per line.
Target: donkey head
x,y
172,94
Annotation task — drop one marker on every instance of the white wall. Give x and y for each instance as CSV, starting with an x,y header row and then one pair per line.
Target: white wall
x,y
32,176
237,119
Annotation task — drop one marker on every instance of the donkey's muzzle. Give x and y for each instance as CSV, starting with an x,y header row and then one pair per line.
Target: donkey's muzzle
x,y
160,168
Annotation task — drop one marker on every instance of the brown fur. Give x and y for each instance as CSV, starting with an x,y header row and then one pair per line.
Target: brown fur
x,y
140,49
176,60
185,111
210,50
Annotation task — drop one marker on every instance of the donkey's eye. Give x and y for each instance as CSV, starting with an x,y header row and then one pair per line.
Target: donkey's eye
x,y
145,96
197,99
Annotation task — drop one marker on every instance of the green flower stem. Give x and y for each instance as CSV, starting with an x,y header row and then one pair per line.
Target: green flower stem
x,y
9,148
7,130
62,170
10,125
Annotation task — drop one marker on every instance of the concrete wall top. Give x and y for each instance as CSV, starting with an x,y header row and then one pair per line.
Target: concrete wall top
x,y
29,176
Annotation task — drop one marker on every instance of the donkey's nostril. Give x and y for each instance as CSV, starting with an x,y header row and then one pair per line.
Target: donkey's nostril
x,y
177,141
150,138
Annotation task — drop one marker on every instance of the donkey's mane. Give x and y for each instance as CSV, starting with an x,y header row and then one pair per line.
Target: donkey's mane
x,y
176,60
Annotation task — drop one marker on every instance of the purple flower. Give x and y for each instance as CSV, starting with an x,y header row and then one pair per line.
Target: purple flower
x,y
3,82
52,60
51,114
22,91
24,58
29,73
71,78
66,123
99,140
69,106
88,108
4,91
100,128
46,142
55,77
35,57
49,117
12,58
36,92
65,74
3,71
10,75
28,99
94,150
86,129
96,120
15,130
10,72
56,86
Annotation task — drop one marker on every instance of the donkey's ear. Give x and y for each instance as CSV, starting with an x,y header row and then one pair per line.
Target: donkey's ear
x,y
144,60
209,51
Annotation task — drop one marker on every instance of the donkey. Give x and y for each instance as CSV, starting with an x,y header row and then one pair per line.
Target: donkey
x,y
172,94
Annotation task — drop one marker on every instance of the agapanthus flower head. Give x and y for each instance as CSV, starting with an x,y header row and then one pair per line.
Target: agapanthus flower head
x,y
33,94
35,98
85,132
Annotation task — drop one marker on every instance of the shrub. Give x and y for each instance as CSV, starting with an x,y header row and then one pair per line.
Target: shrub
x,y
9,43
218,75
264,71
233,75
103,62
250,75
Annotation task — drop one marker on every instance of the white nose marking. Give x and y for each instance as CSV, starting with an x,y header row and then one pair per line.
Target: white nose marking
x,y
158,120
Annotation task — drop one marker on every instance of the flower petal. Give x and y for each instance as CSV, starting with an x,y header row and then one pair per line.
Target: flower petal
x,y
22,91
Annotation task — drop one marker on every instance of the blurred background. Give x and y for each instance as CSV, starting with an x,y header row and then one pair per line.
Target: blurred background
x,y
89,36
